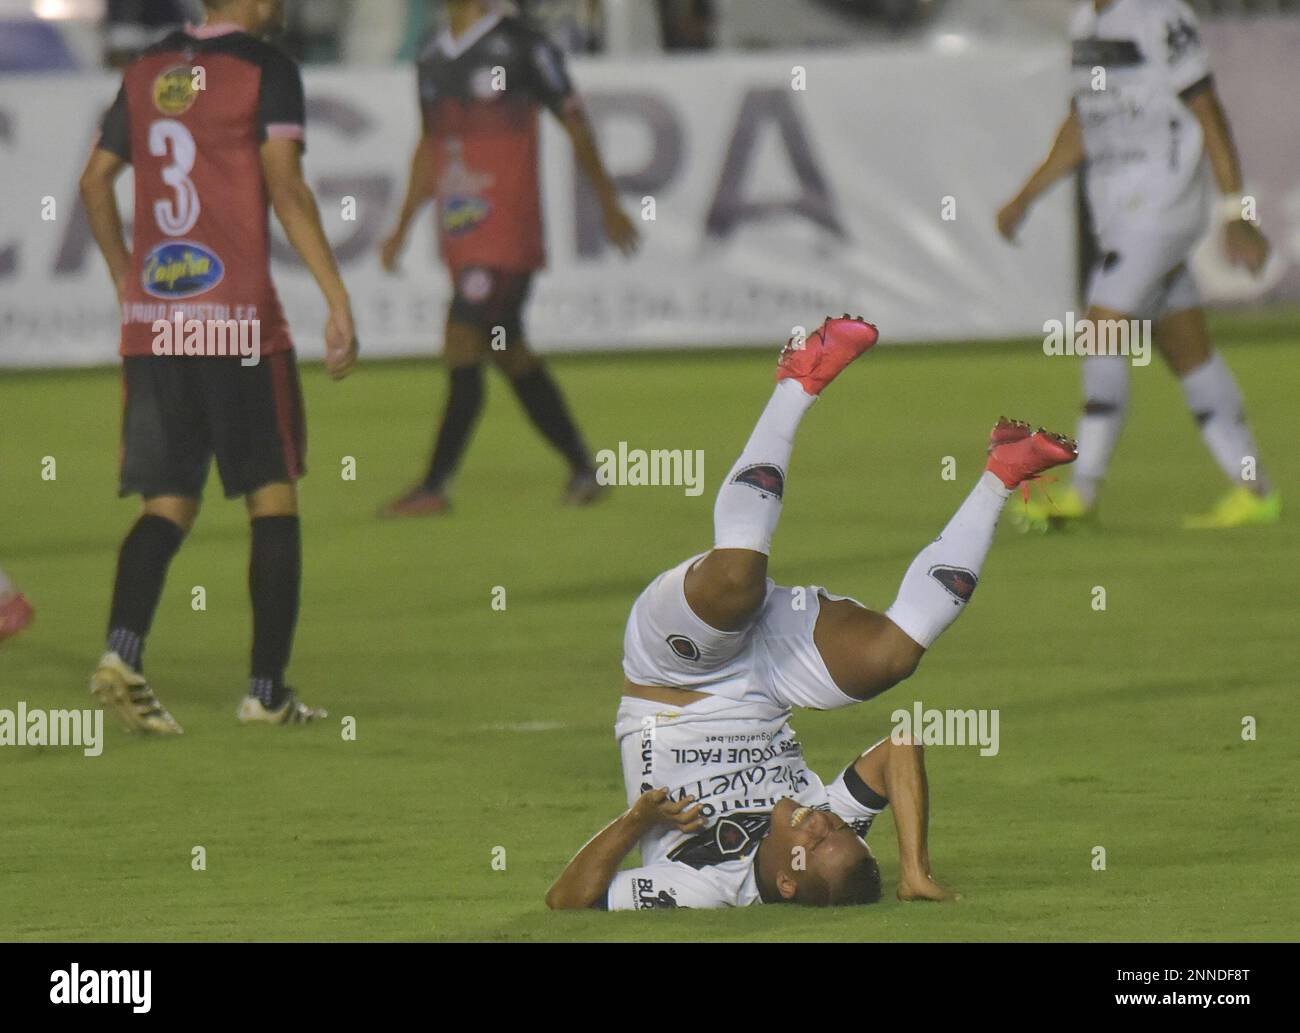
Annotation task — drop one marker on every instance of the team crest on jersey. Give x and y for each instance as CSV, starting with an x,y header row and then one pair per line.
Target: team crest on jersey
x,y
728,840
763,477
683,647
959,582
483,84
173,90
180,269
1180,37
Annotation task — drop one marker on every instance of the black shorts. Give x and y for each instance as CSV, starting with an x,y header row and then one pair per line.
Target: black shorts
x,y
177,413
488,298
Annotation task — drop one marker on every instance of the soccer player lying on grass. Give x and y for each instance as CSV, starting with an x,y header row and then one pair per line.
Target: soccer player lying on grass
x,y
722,802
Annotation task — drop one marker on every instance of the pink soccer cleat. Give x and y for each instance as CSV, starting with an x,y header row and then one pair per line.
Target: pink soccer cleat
x,y
1016,456
827,350
15,614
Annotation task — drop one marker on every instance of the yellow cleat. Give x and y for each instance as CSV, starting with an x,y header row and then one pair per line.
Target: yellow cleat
x,y
1241,507
1042,514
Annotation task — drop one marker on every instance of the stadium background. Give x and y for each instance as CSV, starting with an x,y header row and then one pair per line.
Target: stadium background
x,y
481,729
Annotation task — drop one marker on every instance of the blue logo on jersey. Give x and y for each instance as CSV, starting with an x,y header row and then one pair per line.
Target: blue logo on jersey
x,y
180,269
461,214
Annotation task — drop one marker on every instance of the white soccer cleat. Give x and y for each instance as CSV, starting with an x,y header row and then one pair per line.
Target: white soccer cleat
x,y
124,691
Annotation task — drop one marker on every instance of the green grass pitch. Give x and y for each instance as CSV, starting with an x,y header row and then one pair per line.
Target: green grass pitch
x,y
479,728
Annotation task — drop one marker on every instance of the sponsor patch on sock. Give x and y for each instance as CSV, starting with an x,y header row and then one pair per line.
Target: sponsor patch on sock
x,y
959,582
762,477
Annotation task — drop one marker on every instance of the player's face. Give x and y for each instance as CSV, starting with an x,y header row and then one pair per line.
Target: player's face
x,y
815,843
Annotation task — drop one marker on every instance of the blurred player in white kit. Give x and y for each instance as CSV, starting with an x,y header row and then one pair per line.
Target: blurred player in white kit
x,y
1144,115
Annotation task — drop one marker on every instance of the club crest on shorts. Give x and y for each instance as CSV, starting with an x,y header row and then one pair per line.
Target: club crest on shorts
x,y
683,647
959,582
762,477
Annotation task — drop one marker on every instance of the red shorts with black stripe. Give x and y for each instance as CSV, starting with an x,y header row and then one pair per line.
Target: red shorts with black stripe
x,y
178,413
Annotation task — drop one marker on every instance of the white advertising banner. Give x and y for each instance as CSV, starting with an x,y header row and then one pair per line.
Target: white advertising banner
x,y
781,187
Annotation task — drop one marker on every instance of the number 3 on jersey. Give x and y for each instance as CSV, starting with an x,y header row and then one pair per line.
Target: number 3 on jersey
x,y
175,217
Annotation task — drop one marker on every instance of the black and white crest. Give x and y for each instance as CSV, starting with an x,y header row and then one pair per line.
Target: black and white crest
x,y
684,647
730,838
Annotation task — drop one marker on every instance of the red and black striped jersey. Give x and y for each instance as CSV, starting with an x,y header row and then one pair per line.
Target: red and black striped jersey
x,y
191,115
479,98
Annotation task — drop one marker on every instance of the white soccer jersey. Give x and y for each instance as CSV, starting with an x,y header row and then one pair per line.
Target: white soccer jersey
x,y
738,759
1143,144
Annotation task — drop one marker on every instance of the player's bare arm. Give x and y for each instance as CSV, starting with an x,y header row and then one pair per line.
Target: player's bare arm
x,y
896,771
102,169
1243,241
419,191
1065,156
295,207
586,879
620,230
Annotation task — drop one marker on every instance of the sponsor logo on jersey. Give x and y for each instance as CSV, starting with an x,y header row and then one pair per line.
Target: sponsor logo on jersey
x,y
1109,53
683,647
461,214
959,582
648,900
173,90
763,477
180,269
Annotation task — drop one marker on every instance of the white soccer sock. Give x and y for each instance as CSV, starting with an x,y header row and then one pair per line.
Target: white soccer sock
x,y
1215,400
940,580
749,501
1105,404
6,586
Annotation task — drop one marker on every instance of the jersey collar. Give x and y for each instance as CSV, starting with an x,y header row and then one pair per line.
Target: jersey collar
x,y
455,47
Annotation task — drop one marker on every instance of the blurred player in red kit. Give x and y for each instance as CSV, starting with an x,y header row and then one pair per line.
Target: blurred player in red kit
x,y
15,611
482,80
210,151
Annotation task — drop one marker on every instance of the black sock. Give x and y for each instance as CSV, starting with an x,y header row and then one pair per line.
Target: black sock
x,y
141,570
541,398
464,402
274,576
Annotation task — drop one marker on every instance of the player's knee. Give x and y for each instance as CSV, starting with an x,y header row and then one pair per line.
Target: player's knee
x,y
181,512
901,657
736,585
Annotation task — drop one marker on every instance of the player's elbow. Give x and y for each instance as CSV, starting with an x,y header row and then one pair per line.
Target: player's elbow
x,y
556,900
92,185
